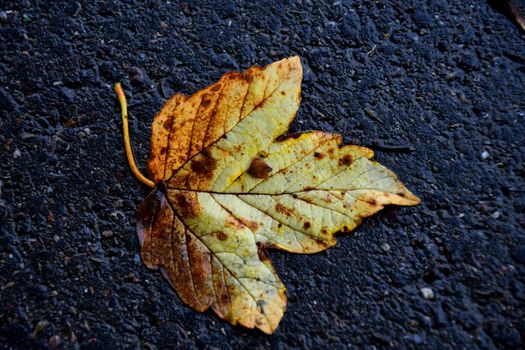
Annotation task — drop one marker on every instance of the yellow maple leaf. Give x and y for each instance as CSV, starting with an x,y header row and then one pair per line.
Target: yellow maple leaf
x,y
229,185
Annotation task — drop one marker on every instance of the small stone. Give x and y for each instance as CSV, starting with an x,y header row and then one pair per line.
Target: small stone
x,y
131,278
229,10
69,94
417,339
87,131
54,341
519,253
469,62
17,154
3,15
427,293
186,8
382,338
20,312
413,36
385,247
496,215
42,289
73,9
39,327
485,155
483,208
81,134
107,234
441,317
136,75
27,136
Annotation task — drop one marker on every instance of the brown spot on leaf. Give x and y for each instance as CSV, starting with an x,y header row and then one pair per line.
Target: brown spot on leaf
x,y
345,160
261,252
283,210
248,77
318,155
167,123
306,225
185,202
205,103
261,303
216,87
224,297
252,225
236,76
232,222
221,235
288,137
204,164
259,168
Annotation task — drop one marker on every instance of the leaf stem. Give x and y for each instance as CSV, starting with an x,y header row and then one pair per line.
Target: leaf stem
x,y
127,143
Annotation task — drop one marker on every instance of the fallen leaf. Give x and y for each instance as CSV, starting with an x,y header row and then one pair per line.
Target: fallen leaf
x,y
229,185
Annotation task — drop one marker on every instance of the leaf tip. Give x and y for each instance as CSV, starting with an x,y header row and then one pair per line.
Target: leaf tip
x,y
409,199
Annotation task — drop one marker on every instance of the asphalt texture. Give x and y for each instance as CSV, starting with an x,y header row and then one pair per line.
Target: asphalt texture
x,y
435,87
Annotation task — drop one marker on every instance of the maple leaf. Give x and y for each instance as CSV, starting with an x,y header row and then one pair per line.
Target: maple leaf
x,y
228,186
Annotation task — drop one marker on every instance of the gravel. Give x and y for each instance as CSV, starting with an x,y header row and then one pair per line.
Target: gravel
x,y
427,293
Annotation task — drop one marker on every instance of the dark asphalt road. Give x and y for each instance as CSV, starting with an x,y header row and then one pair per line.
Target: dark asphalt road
x,y
435,87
